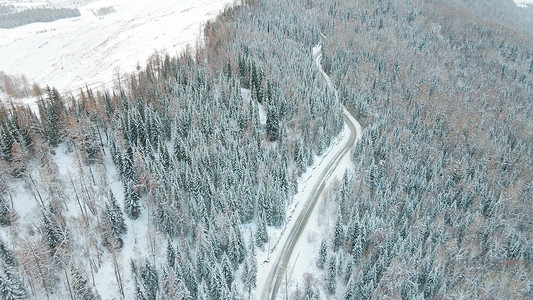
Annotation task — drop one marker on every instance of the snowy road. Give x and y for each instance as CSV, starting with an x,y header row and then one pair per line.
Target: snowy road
x,y
278,265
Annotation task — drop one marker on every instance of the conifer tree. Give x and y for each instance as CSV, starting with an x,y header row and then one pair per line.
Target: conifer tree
x,y
250,273
150,280
7,256
10,287
171,255
272,124
322,254
115,221
332,275
81,286
351,291
5,212
261,235
339,234
6,142
227,270
132,205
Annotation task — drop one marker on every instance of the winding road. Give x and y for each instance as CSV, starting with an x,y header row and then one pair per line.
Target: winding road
x,y
279,264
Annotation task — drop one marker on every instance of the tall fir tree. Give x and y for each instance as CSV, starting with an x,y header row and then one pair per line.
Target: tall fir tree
x,y
132,205
81,287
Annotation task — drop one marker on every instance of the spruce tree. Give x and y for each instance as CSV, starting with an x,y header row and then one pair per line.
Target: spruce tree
x,y
351,292
171,255
332,275
81,286
150,280
115,220
7,256
227,270
6,142
10,287
322,255
261,235
339,234
272,124
132,205
5,211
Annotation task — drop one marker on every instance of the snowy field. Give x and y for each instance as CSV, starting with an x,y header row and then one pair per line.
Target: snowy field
x,y
90,49
522,3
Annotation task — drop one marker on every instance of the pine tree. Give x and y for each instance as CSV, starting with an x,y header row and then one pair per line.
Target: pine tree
x,y
81,287
6,142
10,287
203,293
218,288
332,275
115,221
236,249
5,212
127,168
7,256
132,205
272,123
261,236
339,234
150,280
54,224
171,255
351,292
352,234
322,255
227,270
250,276
50,111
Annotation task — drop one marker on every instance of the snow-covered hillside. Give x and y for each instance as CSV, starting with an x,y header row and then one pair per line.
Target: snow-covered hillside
x,y
89,49
522,3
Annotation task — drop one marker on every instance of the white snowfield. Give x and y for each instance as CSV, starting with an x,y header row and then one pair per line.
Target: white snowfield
x,y
90,49
522,3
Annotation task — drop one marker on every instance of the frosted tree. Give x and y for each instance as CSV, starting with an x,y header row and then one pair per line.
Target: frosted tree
x,y
5,211
11,288
6,142
132,205
339,234
351,291
322,254
332,275
115,222
261,235
81,286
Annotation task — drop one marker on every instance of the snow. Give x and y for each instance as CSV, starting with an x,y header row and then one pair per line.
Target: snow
x,y
247,96
523,3
31,102
89,50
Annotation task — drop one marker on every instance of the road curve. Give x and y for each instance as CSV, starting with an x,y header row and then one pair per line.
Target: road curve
x,y
279,265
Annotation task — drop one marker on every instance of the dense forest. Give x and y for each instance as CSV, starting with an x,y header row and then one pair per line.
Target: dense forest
x,y
175,176
11,17
440,203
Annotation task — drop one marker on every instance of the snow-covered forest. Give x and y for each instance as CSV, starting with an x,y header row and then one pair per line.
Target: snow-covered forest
x,y
167,186
440,203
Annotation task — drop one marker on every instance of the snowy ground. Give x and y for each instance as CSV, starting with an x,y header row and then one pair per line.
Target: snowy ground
x,y
522,3
90,49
